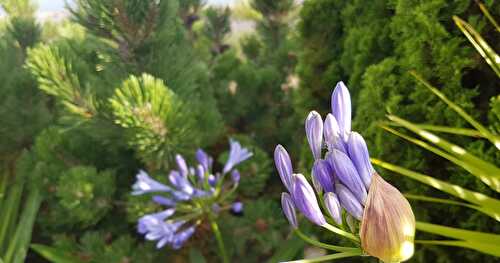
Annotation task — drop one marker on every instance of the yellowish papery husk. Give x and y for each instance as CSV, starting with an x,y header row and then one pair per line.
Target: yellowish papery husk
x,y
388,225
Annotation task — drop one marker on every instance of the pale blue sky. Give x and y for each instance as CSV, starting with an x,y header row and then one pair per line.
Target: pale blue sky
x,y
57,5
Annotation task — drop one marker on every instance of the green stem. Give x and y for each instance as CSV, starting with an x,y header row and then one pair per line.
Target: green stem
x,y
323,245
341,232
329,257
218,237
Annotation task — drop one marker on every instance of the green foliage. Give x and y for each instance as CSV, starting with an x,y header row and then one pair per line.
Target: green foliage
x,y
158,122
84,194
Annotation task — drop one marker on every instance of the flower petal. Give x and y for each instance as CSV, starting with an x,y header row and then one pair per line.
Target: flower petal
x,y
289,209
358,152
314,133
305,200
284,166
347,174
341,108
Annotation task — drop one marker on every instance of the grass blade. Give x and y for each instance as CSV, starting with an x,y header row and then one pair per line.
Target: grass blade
x,y
54,255
443,129
459,233
491,249
478,42
487,203
487,172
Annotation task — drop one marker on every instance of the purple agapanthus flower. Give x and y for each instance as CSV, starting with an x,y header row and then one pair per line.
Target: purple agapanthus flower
x,y
188,189
341,173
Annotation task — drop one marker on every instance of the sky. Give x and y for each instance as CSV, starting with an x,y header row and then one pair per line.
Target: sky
x,y
58,5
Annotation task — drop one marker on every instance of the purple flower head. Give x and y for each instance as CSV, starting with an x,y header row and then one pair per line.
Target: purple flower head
x,y
314,133
305,200
332,204
284,166
237,154
204,159
212,180
321,172
347,174
349,202
341,108
237,207
146,184
331,132
200,172
358,152
289,209
235,176
181,164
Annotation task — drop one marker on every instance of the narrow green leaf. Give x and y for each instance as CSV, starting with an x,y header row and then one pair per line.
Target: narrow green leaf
x,y
439,200
10,213
458,233
488,15
443,129
329,257
466,165
54,255
487,203
478,42
491,249
487,172
18,246
495,139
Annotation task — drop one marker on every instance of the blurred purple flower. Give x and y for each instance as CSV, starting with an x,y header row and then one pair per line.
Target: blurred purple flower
x,y
237,154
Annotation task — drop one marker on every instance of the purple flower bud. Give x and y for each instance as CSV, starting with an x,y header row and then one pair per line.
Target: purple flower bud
x,y
314,133
237,154
180,238
204,159
212,180
321,172
349,201
237,207
333,206
180,182
200,172
331,132
181,164
235,176
316,184
358,152
341,108
164,201
347,174
284,166
146,184
289,209
305,200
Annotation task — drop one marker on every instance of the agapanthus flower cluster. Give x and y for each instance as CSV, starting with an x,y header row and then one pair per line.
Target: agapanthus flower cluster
x,y
192,194
347,186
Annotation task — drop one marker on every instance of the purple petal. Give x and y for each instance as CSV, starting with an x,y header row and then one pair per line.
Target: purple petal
x,y
237,154
180,182
146,184
358,152
349,202
284,166
314,133
204,159
347,174
200,172
305,200
323,175
150,221
331,132
164,201
237,207
341,108
181,163
289,209
181,237
235,175
332,204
